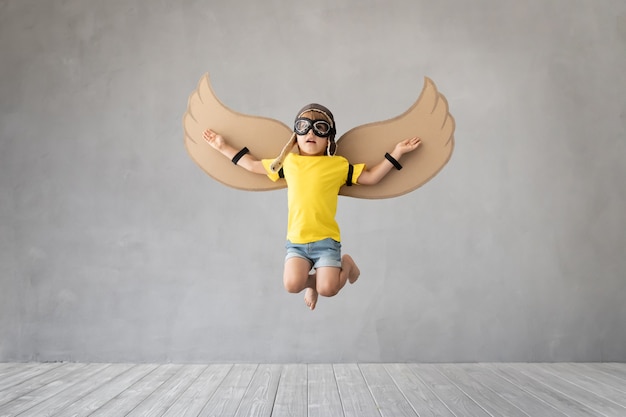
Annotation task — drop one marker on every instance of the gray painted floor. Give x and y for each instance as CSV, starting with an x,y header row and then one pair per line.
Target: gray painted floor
x,y
363,390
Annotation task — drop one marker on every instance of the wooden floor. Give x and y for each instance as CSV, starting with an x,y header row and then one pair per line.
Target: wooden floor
x,y
356,390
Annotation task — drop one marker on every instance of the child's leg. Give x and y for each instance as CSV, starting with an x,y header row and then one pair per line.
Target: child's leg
x,y
296,278
296,274
332,279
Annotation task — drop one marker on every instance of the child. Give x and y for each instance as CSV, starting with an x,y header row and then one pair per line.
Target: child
x,y
314,176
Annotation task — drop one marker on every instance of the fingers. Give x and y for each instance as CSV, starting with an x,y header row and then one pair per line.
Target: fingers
x,y
210,136
411,141
414,143
411,144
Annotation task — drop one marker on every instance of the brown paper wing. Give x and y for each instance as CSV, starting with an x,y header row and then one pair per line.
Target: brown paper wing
x,y
264,137
428,119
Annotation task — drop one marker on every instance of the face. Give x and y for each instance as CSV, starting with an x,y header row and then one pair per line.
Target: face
x,y
312,145
312,132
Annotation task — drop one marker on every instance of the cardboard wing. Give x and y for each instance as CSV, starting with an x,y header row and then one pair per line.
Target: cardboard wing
x,y
264,137
428,119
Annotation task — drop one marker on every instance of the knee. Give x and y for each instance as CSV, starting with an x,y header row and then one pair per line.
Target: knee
x,y
327,289
291,285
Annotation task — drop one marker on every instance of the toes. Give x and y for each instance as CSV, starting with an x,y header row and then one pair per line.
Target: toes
x,y
310,298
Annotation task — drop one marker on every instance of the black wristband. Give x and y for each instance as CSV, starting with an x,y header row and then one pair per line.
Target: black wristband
x,y
239,154
393,161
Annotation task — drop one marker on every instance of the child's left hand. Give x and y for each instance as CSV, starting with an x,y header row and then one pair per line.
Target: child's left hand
x,y
408,145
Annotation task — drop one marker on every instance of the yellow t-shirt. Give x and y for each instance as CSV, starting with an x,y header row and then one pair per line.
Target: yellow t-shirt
x,y
313,184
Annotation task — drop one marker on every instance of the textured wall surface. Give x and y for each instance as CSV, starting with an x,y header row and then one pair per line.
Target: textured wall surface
x,y
115,246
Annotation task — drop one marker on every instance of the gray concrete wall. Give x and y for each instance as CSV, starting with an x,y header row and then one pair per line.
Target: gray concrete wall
x,y
115,246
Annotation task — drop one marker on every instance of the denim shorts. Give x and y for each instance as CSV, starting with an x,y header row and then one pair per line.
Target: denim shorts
x,y
326,252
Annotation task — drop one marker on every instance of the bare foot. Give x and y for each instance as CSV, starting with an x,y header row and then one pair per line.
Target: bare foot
x,y
353,271
310,298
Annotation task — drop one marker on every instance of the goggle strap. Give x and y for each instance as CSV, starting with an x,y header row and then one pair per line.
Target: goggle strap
x,y
277,164
332,124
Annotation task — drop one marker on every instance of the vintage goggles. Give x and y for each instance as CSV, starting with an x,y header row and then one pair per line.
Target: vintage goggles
x,y
321,128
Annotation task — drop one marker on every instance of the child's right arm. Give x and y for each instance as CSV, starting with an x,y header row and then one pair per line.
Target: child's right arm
x,y
246,161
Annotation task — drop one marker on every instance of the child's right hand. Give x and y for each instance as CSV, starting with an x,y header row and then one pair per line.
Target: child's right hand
x,y
214,139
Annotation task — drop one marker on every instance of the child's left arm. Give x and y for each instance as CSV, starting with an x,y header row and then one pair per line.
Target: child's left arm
x,y
376,173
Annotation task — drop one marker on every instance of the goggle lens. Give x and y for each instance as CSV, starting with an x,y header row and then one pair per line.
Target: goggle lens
x,y
321,128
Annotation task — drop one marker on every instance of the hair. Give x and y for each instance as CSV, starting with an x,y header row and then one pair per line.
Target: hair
x,y
312,111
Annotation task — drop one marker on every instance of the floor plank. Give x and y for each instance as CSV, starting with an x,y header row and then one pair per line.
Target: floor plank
x,y
355,395
389,399
455,399
482,395
32,384
608,391
595,373
614,369
230,392
422,399
50,394
292,395
82,386
164,396
300,390
126,401
8,369
601,405
259,399
198,394
517,396
23,375
323,392
85,405
569,406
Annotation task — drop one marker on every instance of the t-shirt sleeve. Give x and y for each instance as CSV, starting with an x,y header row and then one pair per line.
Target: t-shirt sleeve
x,y
272,175
358,169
